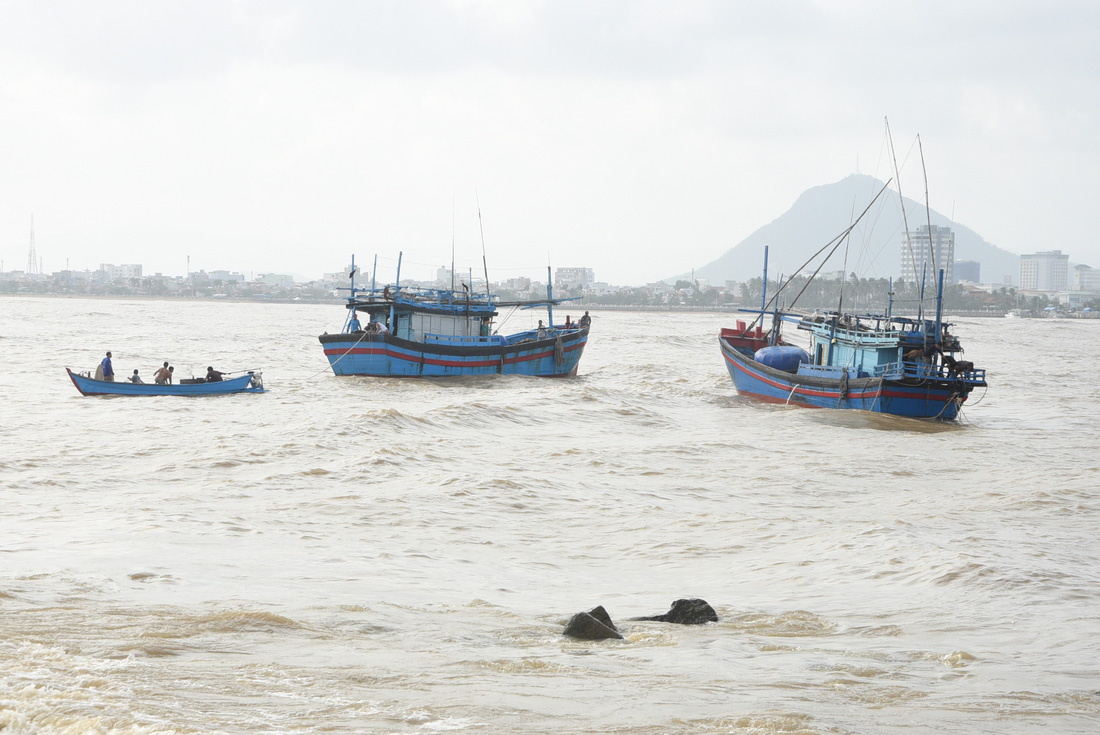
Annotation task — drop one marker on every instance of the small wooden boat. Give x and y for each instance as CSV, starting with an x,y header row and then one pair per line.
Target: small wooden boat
x,y
422,332
250,382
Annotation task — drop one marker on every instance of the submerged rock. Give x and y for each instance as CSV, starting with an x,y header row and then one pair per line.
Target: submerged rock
x,y
687,612
600,614
591,626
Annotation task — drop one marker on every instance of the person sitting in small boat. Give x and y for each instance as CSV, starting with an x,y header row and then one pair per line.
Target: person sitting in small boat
x,y
585,320
212,375
540,333
164,375
135,378
353,323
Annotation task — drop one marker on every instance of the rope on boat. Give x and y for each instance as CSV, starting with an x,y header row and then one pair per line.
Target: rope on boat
x,y
948,402
341,357
791,394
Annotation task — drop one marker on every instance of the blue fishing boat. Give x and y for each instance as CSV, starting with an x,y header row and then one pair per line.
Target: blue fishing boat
x,y
898,366
250,382
401,331
872,362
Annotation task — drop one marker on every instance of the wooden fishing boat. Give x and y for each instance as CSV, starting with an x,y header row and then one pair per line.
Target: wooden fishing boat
x,y
871,362
423,332
250,382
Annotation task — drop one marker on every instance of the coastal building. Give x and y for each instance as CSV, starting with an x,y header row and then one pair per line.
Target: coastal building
x,y
578,278
1044,271
968,270
1085,279
276,279
925,251
110,272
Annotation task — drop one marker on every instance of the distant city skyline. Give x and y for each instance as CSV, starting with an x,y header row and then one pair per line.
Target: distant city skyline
x,y
637,139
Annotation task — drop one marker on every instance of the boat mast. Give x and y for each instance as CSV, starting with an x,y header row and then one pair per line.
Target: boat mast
x,y
764,288
351,293
904,217
452,246
549,298
484,262
931,248
374,272
939,307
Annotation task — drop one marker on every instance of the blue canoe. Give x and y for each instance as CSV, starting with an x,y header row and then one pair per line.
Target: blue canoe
x,y
251,382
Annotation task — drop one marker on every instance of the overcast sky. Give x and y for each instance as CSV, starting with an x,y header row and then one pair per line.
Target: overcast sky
x,y
640,139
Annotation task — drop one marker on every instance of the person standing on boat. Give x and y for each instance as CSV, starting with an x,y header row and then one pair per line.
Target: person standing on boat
x,y
136,379
213,376
164,375
105,371
353,323
585,320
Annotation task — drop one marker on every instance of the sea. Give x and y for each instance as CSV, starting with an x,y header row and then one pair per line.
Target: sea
x,y
357,555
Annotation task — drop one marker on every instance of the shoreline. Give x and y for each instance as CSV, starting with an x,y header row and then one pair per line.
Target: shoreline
x,y
672,308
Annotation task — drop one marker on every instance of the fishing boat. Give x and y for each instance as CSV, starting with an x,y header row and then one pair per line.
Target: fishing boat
x,y
429,332
892,365
872,362
250,382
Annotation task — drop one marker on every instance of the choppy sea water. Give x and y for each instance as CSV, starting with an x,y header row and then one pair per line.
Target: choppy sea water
x,y
400,556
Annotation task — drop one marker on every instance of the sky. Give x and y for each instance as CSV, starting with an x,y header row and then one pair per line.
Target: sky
x,y
640,139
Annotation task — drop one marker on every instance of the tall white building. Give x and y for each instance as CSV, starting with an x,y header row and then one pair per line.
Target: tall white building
x,y
1085,278
1045,271
573,277
113,272
925,252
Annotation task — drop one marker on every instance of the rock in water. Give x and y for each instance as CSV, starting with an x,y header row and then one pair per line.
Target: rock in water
x,y
586,627
600,614
687,612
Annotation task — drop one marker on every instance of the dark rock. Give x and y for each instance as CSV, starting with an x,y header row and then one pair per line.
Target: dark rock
x,y
586,627
687,612
600,614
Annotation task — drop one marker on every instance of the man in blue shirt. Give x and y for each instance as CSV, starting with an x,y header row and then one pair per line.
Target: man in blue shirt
x,y
108,370
353,325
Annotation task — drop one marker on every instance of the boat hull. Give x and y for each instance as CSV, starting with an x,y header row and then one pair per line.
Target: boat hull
x,y
250,383
384,355
939,399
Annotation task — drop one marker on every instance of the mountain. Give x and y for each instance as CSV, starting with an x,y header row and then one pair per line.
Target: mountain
x,y
823,212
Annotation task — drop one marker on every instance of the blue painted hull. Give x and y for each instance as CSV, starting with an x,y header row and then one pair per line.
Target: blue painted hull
x,y
90,387
388,356
925,399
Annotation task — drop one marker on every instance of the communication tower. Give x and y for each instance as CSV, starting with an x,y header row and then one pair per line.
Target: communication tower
x,y
32,257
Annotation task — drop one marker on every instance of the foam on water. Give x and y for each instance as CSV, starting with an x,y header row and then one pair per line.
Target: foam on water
x,y
355,555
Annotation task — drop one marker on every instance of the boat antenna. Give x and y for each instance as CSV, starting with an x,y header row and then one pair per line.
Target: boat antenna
x,y
374,272
904,218
481,226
